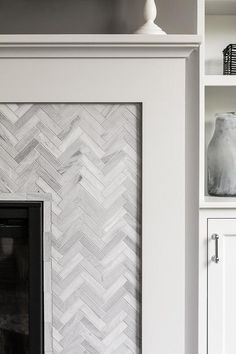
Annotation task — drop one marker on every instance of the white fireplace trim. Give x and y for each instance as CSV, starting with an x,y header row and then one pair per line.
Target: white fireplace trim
x,y
47,260
99,46
146,70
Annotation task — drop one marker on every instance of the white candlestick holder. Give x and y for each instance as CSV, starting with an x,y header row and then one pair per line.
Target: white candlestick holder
x,y
150,13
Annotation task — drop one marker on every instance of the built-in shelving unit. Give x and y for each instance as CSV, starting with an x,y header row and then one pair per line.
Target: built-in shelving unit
x,y
217,91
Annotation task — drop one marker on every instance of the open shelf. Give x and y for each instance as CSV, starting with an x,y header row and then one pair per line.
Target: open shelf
x,y
220,80
218,202
218,91
220,32
218,99
221,7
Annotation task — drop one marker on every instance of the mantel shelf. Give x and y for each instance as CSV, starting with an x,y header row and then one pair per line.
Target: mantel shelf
x,y
102,39
97,46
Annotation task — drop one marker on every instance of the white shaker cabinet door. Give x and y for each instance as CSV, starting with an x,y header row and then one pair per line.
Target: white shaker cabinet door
x,y
221,286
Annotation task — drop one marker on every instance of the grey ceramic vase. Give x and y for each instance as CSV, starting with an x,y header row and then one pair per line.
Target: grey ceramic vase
x,y
221,157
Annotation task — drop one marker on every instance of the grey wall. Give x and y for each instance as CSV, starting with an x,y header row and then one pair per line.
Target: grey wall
x,y
92,16
69,16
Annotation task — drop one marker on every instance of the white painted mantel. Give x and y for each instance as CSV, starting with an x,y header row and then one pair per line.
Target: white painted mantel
x,y
161,73
77,46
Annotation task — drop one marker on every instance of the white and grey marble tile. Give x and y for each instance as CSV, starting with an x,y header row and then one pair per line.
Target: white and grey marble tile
x,y
84,162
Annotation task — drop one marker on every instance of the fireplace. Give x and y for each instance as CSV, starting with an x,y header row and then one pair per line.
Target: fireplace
x,y
21,278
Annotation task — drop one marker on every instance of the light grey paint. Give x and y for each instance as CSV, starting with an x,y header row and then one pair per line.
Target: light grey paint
x,y
88,158
92,16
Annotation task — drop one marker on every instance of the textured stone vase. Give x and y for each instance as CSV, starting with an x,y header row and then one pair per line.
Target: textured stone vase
x,y
221,157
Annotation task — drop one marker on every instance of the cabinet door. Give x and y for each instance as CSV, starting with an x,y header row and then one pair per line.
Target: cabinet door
x,y
221,286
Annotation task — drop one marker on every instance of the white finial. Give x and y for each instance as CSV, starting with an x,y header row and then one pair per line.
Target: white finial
x,y
150,13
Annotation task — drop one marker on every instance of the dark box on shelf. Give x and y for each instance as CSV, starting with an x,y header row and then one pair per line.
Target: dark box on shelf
x,y
230,60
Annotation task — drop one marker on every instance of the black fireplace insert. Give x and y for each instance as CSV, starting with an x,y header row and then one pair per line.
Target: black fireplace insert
x,y
21,278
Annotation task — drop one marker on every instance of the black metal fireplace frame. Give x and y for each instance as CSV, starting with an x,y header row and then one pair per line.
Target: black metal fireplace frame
x,y
35,231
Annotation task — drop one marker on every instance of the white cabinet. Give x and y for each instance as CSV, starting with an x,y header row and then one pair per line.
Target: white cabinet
x,y
221,286
217,280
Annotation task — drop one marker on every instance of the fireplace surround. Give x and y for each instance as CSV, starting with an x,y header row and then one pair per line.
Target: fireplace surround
x,y
158,74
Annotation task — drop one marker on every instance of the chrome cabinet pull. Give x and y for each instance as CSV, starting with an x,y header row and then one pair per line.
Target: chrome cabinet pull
x,y
215,258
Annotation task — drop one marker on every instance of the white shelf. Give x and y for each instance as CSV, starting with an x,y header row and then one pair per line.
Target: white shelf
x,y
218,202
74,39
220,80
220,7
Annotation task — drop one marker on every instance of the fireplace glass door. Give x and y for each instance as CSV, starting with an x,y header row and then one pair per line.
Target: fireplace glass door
x,y
20,278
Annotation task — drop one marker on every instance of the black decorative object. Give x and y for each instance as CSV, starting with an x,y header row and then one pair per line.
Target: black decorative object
x,y
230,59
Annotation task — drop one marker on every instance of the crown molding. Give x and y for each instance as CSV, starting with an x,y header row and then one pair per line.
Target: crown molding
x,y
97,46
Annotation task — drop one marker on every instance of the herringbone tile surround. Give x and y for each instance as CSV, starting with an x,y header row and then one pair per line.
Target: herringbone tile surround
x,y
88,157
